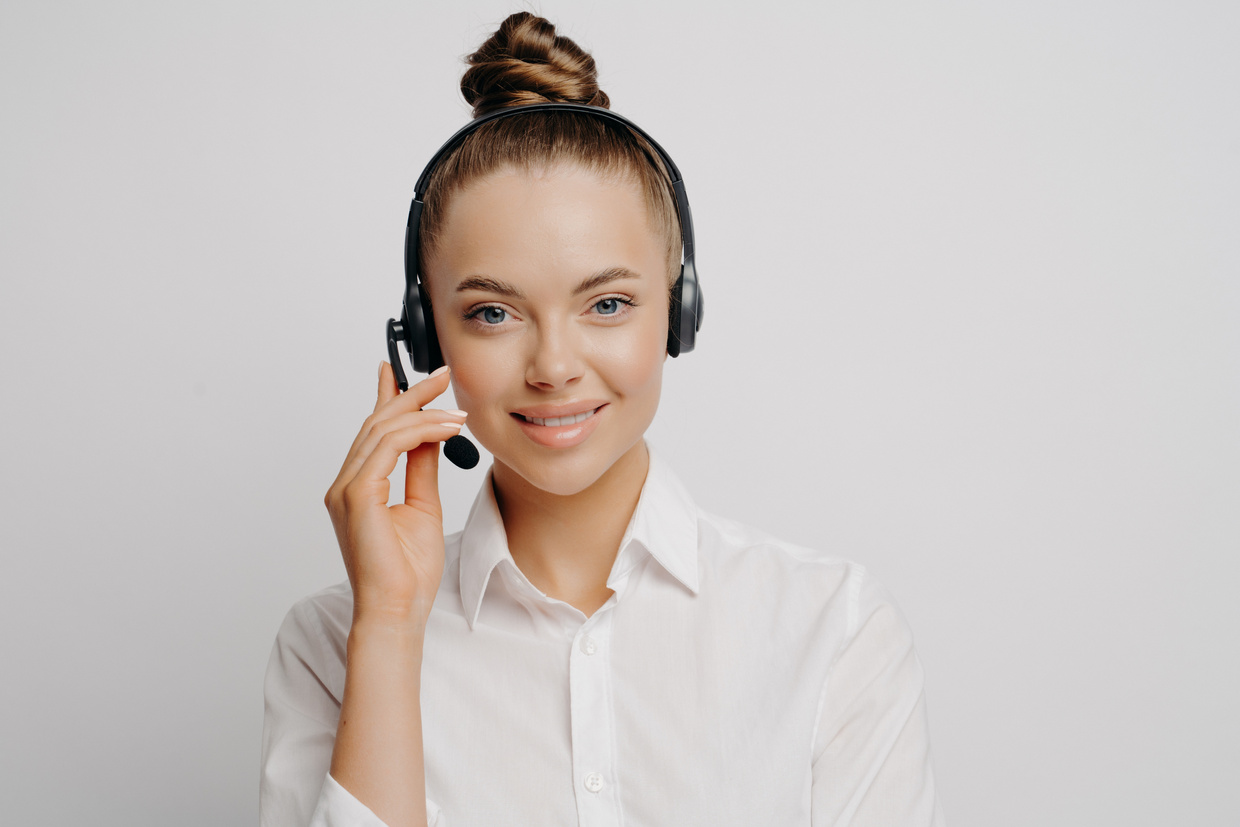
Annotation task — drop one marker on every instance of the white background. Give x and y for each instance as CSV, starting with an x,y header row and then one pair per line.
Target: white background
x,y
973,319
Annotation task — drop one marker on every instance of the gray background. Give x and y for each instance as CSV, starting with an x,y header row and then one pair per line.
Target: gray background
x,y
974,320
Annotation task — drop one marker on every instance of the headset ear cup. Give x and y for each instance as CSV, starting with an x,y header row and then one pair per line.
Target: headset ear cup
x,y
430,339
415,328
686,311
420,338
673,316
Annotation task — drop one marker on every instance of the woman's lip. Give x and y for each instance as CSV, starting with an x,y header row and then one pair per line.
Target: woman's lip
x,y
561,436
557,421
555,411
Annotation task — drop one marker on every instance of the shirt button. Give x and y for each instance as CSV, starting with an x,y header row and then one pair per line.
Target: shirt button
x,y
588,645
594,782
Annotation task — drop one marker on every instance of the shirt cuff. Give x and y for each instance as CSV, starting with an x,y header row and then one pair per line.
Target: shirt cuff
x,y
338,808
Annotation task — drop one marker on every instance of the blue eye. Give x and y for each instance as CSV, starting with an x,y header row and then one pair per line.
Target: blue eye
x,y
607,307
493,315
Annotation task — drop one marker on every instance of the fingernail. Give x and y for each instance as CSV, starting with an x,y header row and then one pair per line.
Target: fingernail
x,y
381,364
456,426
443,369
457,413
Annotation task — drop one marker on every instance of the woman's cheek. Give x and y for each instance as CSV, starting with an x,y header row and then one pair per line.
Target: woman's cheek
x,y
481,371
632,362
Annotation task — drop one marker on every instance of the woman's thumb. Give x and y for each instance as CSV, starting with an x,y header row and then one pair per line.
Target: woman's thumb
x,y
422,478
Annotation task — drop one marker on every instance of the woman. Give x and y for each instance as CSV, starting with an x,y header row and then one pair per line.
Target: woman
x,y
591,648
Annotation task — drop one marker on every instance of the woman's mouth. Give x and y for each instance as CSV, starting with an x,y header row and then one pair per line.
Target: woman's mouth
x,y
562,431
556,421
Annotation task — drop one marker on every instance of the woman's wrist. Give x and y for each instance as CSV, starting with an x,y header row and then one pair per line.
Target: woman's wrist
x,y
387,632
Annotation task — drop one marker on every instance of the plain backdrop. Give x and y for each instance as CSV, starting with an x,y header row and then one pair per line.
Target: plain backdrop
x,y
973,320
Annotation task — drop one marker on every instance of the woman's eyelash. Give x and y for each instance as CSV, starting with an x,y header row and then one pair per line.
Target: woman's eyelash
x,y
623,300
473,313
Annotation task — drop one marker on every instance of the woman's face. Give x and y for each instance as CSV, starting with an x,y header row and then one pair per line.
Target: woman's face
x,y
551,301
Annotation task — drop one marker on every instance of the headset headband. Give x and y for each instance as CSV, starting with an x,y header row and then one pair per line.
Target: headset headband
x,y
607,114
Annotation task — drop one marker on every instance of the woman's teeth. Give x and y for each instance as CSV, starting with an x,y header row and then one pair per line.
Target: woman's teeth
x,y
559,420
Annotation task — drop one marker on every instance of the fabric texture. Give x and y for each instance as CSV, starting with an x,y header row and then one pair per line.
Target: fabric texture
x,y
731,679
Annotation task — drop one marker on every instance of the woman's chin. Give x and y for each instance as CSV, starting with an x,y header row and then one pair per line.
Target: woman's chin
x,y
562,476
565,473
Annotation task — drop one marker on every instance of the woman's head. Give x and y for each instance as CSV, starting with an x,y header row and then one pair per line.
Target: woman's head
x,y
549,244
524,62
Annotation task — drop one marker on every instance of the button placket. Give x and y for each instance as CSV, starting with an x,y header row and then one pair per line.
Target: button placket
x,y
592,723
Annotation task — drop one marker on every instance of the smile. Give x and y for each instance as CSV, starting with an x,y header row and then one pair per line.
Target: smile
x,y
560,426
556,421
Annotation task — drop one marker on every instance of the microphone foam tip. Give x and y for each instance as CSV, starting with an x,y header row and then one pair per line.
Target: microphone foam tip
x,y
461,452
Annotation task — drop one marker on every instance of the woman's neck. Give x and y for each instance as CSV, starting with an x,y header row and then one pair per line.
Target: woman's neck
x,y
566,545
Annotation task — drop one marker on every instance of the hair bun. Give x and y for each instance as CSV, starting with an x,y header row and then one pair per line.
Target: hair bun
x,y
524,62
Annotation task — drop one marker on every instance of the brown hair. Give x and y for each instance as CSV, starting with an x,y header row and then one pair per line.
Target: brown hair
x,y
524,62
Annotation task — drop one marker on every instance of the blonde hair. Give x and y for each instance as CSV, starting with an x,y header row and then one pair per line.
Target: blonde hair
x,y
525,62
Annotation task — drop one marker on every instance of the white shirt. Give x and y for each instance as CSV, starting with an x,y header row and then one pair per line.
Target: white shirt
x,y
732,679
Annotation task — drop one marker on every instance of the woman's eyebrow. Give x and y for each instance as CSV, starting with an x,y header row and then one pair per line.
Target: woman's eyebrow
x,y
490,285
605,277
503,288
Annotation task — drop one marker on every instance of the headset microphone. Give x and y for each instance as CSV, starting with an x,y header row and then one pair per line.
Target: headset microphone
x,y
461,452
458,449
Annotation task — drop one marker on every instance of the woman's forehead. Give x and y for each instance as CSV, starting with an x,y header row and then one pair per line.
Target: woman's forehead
x,y
512,190
559,224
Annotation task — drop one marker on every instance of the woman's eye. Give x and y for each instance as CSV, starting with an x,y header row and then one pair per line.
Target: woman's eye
x,y
608,307
492,315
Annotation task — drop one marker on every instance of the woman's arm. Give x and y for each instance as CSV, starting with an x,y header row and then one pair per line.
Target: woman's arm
x,y
302,694
378,751
871,755
394,556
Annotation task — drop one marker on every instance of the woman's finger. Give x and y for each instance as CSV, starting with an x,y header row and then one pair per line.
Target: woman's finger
x,y
387,384
419,394
371,480
422,478
358,455
390,403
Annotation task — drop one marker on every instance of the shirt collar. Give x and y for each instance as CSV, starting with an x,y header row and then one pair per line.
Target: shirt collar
x,y
664,524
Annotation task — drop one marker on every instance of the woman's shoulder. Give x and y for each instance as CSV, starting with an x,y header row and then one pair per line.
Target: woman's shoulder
x,y
817,589
325,608
322,620
723,538
746,562
315,629
306,669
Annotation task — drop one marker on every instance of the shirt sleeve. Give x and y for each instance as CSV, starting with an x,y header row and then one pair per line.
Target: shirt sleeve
x,y
871,754
302,694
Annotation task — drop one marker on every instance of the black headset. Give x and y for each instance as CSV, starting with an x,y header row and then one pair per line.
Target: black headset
x,y
416,327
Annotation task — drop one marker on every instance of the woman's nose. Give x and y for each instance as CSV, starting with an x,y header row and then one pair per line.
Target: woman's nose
x,y
556,360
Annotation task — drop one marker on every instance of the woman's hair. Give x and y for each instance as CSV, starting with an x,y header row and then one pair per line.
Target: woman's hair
x,y
525,62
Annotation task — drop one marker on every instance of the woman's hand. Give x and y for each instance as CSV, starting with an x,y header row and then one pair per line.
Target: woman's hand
x,y
394,555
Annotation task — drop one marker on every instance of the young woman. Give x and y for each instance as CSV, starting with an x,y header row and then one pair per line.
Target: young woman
x,y
591,648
